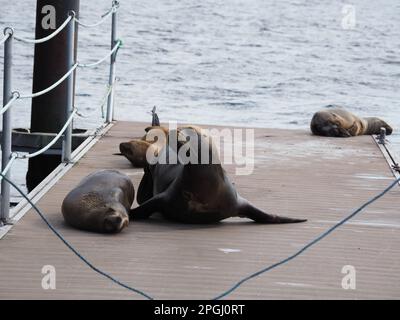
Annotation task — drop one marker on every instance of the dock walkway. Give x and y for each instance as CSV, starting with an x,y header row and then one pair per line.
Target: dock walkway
x,y
296,174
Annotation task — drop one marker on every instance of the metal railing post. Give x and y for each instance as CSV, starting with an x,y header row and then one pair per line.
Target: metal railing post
x,y
67,137
6,136
111,80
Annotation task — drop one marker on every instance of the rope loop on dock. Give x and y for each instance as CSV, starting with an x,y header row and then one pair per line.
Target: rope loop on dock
x,y
50,36
6,36
113,9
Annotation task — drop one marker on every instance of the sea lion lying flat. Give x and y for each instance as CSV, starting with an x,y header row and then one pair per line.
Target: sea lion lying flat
x,y
100,202
194,193
338,122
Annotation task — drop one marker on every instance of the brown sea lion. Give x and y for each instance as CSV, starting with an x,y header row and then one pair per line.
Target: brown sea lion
x,y
100,202
194,192
338,122
135,150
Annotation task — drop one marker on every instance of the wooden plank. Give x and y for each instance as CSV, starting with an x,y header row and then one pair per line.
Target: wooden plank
x,y
296,174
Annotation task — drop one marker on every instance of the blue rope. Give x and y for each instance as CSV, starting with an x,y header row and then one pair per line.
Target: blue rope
x,y
71,247
319,238
239,283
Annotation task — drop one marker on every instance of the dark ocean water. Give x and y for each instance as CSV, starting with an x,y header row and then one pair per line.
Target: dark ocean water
x,y
250,62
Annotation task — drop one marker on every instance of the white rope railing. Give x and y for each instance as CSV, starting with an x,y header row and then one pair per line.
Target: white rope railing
x,y
6,36
9,35
15,156
17,95
104,17
109,54
9,165
50,36
54,85
9,103
105,98
52,142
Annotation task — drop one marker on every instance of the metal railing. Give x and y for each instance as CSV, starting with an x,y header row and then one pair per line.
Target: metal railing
x,y
10,96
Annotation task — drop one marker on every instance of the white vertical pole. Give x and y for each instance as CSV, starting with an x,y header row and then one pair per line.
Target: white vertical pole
x,y
67,138
111,80
7,130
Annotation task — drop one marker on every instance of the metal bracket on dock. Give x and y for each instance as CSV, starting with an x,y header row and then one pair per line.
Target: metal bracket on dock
x,y
382,136
9,222
396,167
389,155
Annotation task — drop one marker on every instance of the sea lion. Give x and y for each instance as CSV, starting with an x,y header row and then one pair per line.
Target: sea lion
x,y
338,122
194,192
100,202
135,150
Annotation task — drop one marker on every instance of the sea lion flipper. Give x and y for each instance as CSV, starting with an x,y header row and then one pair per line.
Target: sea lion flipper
x,y
145,191
146,209
246,209
344,133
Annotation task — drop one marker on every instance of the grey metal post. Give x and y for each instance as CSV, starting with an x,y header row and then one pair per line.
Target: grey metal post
x,y
111,80
382,136
67,137
6,137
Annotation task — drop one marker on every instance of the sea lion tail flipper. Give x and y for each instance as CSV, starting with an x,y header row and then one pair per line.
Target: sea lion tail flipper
x,y
146,209
375,124
145,191
246,209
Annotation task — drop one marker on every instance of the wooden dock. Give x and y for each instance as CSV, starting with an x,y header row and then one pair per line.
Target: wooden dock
x,y
296,174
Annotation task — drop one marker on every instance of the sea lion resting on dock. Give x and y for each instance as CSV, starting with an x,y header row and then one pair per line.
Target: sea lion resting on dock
x,y
100,202
338,122
193,192
135,150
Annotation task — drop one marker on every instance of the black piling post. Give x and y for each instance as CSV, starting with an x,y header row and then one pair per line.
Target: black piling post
x,y
50,64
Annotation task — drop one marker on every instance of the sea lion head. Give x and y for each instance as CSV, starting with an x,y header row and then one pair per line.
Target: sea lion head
x,y
115,218
197,143
135,152
150,137
326,123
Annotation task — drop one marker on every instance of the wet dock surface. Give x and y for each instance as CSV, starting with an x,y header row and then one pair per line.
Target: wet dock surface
x,y
296,174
